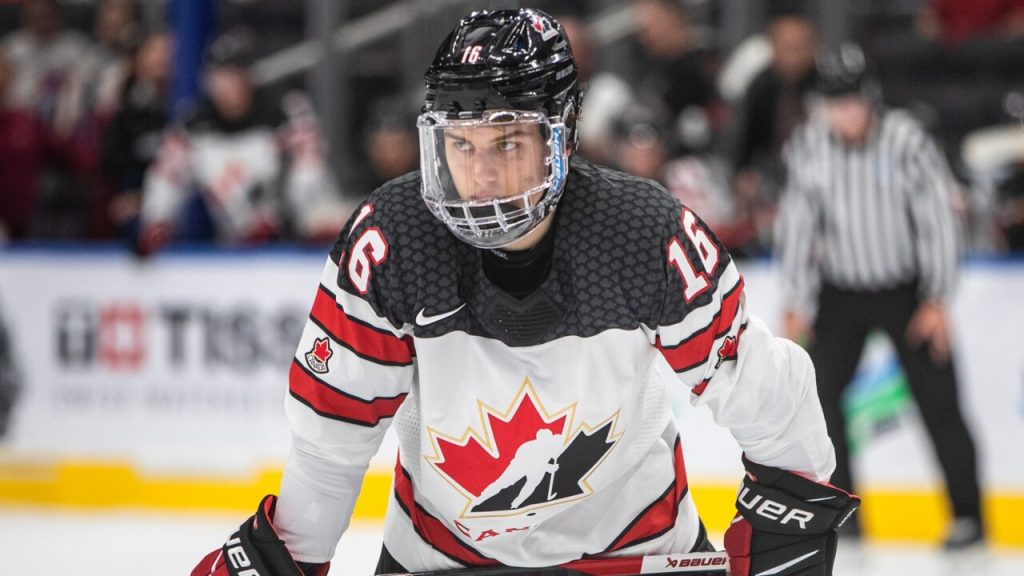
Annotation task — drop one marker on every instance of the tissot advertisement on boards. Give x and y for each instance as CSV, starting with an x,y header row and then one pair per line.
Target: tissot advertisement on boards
x,y
181,364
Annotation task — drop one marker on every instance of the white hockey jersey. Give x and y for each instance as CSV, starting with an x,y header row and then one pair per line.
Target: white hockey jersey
x,y
532,431
253,173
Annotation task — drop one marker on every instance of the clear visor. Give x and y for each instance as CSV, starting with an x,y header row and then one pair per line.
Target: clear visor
x,y
488,177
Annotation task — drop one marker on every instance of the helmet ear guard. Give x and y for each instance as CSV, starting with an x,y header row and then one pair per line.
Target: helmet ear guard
x,y
570,118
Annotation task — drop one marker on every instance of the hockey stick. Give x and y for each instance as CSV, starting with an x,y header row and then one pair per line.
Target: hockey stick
x,y
551,482
692,564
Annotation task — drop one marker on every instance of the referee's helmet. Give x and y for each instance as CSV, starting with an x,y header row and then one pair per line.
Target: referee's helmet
x,y
844,71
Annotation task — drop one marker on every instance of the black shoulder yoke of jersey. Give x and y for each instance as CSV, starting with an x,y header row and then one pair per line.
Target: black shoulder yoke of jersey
x,y
607,263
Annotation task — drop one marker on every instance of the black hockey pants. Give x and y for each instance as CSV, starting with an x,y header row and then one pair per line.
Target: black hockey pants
x,y
844,320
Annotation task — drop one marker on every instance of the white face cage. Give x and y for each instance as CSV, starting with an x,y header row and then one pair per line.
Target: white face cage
x,y
492,179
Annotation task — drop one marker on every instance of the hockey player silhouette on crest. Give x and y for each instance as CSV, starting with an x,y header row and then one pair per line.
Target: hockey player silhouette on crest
x,y
545,448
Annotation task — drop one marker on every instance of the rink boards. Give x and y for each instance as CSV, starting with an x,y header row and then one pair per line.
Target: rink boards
x,y
160,384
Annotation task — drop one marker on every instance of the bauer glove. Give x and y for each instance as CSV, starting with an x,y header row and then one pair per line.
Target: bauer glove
x,y
785,524
256,550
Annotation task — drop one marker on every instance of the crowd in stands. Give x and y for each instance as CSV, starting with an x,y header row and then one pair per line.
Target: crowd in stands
x,y
89,149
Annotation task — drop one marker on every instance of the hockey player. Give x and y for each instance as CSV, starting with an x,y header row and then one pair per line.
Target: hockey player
x,y
510,295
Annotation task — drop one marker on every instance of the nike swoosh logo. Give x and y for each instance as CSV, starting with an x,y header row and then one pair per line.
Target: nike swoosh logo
x,y
424,320
782,567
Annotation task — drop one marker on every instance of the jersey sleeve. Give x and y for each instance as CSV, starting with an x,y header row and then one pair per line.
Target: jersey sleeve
x,y
353,368
758,386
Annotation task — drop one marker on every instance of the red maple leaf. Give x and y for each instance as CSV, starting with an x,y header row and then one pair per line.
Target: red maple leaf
x,y
727,350
322,350
473,467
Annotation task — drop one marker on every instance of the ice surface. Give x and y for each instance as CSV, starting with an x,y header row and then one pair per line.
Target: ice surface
x,y
37,542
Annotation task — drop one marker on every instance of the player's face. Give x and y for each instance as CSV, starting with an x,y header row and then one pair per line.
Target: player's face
x,y
850,117
489,162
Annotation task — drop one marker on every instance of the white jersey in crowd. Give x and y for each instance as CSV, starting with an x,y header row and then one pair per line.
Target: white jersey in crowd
x,y
253,173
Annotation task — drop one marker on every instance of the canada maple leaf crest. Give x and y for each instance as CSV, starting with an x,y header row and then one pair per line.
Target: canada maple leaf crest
x,y
523,457
317,358
728,350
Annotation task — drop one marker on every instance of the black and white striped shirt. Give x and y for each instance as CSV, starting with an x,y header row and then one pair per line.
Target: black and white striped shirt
x,y
866,217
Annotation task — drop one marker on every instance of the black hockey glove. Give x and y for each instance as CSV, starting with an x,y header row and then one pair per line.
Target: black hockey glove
x,y
256,550
785,524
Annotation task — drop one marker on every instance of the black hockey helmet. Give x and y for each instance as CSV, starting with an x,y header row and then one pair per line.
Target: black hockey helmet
x,y
507,71
505,59
844,71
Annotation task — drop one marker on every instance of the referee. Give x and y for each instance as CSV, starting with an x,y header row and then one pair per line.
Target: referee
x,y
867,240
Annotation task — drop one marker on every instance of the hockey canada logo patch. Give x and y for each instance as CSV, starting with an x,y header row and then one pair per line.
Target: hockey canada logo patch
x,y
544,27
522,458
317,358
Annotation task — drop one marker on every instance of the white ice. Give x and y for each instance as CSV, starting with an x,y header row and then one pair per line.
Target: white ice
x,y
37,542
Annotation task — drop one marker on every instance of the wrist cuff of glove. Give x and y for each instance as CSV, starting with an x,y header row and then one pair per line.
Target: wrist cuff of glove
x,y
314,569
781,502
256,547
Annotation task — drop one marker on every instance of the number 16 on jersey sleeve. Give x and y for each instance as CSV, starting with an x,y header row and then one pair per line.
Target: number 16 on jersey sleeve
x,y
695,282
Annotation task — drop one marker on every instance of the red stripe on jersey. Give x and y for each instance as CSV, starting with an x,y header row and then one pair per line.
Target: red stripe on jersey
x,y
699,388
366,341
332,403
696,349
660,516
432,530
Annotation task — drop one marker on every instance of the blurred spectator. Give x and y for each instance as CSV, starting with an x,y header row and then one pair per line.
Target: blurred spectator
x,y
993,157
774,104
257,162
699,181
748,59
674,70
44,55
1010,210
867,240
605,94
23,144
954,21
100,75
92,98
392,144
133,136
642,139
